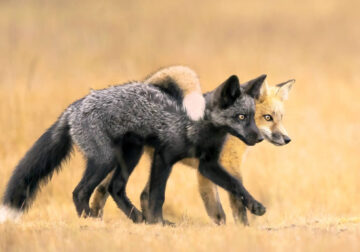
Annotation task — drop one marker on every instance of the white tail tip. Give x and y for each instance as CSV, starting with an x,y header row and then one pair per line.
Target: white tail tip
x,y
194,104
9,214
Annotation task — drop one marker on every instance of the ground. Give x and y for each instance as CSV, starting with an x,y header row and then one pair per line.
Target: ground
x,y
53,52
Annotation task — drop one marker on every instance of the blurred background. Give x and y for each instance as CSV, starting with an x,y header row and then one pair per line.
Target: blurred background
x,y
53,52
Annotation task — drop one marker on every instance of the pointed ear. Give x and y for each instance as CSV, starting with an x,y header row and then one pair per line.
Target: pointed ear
x,y
264,91
253,87
228,92
284,89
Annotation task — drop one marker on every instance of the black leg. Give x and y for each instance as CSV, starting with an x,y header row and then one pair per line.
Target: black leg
x,y
127,157
95,172
216,173
159,175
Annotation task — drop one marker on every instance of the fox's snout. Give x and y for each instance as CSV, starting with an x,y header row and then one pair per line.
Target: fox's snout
x,y
278,138
257,137
260,139
254,136
286,139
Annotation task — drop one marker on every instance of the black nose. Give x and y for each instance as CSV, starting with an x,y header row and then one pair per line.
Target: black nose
x,y
287,139
260,139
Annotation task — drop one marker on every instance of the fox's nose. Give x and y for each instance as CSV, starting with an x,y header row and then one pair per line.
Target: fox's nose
x,y
287,139
260,138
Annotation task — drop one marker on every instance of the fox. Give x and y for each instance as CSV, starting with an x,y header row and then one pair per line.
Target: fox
x,y
268,117
111,126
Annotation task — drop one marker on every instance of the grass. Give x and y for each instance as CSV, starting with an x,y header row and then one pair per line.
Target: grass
x,y
53,52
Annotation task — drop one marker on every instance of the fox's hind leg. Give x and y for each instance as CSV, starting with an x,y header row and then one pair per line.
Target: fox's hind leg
x,y
96,171
144,199
128,155
100,196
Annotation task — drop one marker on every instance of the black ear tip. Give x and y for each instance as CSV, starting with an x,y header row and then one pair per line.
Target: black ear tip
x,y
286,82
262,77
233,78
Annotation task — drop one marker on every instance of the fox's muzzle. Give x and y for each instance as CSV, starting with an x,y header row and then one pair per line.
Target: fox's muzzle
x,y
260,139
253,136
279,139
286,139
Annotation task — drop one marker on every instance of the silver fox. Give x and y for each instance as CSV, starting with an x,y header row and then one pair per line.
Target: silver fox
x,y
112,125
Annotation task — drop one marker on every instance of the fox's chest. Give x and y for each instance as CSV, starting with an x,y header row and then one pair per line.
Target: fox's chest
x,y
211,145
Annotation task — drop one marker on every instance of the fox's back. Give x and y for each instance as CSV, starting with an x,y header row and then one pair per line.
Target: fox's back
x,y
135,107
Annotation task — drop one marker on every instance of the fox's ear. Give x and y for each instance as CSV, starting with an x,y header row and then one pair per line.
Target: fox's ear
x,y
253,87
284,89
228,92
264,91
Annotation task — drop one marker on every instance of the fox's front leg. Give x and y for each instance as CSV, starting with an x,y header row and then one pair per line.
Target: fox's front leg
x,y
211,169
231,158
210,196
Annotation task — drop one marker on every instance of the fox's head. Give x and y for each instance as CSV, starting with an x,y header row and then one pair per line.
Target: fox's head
x,y
231,106
270,111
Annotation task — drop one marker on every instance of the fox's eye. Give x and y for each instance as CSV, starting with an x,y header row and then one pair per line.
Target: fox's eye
x,y
241,117
268,118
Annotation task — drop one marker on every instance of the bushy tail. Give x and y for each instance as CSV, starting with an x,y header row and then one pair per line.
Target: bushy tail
x,y
187,82
37,166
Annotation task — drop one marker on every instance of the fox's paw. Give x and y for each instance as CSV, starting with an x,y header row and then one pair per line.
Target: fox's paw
x,y
256,208
161,222
96,212
136,216
152,219
168,223
220,219
194,104
218,216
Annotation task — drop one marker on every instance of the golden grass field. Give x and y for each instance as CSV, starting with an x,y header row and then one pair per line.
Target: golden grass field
x,y
53,52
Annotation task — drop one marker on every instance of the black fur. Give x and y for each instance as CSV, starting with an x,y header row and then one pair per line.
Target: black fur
x,y
127,156
210,168
127,152
94,173
38,165
253,87
206,149
123,154
229,93
173,90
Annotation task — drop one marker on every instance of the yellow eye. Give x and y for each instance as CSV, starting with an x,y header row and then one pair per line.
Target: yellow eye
x,y
268,117
241,117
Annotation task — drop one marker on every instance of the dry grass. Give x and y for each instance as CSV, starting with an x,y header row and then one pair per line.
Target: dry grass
x,y
53,52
